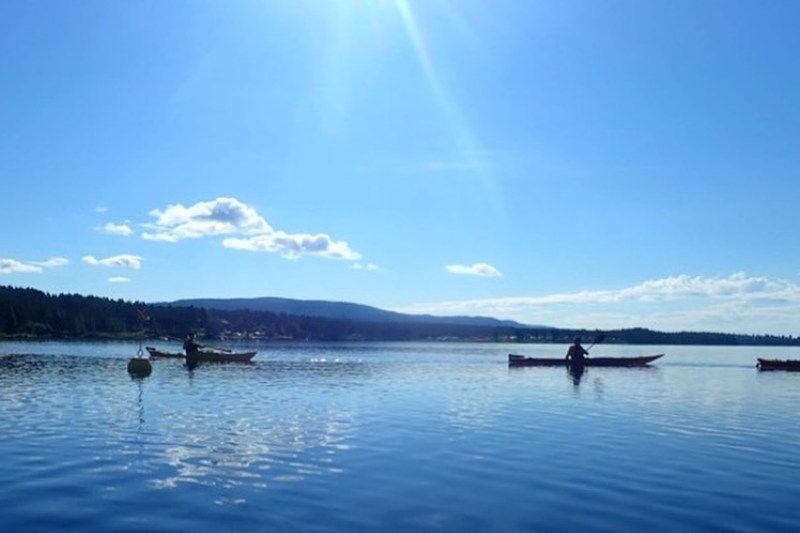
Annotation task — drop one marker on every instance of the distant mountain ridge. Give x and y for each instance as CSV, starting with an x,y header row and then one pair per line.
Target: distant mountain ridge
x,y
339,310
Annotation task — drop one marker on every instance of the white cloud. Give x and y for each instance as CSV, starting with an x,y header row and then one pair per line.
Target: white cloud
x,y
371,267
478,269
163,237
12,266
223,216
100,209
736,286
123,229
229,216
52,262
293,246
738,302
118,279
124,260
733,317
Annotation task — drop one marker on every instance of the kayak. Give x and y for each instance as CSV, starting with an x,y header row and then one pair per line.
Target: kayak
x,y
158,354
205,355
218,356
778,364
521,360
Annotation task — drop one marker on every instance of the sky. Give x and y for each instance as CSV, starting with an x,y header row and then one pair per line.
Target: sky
x,y
575,164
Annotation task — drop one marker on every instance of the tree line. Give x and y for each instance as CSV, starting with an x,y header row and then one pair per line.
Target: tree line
x,y
31,313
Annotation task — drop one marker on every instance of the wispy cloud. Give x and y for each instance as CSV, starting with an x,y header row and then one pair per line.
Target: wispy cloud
x,y
13,266
118,279
229,216
101,209
111,228
739,302
123,260
370,267
478,269
52,262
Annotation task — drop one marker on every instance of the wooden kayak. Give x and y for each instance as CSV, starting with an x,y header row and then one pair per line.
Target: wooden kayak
x,y
205,355
158,354
778,364
219,356
521,360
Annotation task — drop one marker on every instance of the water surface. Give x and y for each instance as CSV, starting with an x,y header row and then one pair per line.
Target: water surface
x,y
397,435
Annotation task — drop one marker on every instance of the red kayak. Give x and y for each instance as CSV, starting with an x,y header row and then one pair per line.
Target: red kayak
x,y
521,360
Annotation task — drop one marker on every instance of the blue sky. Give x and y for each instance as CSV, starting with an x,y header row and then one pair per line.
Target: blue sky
x,y
605,164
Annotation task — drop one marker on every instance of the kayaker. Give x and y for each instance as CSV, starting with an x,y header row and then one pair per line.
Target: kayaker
x,y
576,353
190,345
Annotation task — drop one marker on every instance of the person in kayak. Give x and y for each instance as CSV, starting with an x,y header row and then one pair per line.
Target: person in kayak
x,y
576,355
190,345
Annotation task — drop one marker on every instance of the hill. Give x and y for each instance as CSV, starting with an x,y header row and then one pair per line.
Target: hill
x,y
341,310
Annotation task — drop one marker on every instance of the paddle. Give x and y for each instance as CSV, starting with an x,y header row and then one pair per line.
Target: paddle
x,y
597,340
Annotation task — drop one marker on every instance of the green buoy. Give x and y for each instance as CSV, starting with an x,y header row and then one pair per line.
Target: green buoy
x,y
140,368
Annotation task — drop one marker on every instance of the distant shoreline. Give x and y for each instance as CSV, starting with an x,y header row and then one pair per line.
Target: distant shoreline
x,y
107,338
30,314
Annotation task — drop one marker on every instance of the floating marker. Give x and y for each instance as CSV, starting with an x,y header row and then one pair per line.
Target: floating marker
x,y
140,368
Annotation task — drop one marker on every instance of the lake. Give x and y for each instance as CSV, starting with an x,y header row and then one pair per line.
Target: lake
x,y
403,436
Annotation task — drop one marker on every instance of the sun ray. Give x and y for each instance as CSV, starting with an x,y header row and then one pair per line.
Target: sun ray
x,y
469,149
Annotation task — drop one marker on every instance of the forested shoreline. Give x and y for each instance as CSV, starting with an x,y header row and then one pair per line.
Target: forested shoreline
x,y
33,314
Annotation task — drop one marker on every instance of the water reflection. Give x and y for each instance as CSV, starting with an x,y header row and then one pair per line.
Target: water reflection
x,y
254,451
576,373
218,425
140,398
218,436
194,364
414,436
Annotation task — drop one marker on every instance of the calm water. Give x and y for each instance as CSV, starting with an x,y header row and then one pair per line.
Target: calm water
x,y
422,436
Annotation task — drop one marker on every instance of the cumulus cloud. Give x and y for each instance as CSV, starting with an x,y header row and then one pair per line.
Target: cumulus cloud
x,y
123,260
293,246
247,230
12,266
123,229
738,302
478,269
118,279
222,216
